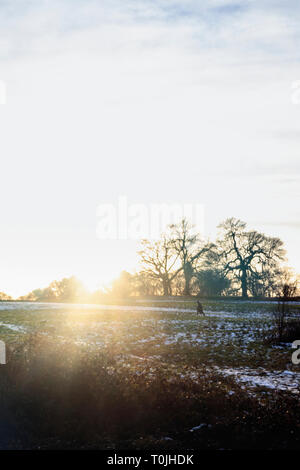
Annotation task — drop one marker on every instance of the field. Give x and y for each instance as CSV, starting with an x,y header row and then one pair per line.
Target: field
x,y
150,374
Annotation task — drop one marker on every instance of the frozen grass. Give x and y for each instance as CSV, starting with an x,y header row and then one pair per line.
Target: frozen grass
x,y
222,338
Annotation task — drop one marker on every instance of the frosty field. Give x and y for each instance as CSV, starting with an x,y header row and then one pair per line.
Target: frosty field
x,y
167,335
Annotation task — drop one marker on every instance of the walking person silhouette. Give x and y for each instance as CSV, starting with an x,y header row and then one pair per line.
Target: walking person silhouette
x,y
200,308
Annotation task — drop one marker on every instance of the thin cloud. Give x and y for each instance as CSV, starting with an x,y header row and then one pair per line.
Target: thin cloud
x,y
192,24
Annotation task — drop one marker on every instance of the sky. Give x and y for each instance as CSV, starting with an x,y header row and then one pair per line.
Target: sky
x,y
160,102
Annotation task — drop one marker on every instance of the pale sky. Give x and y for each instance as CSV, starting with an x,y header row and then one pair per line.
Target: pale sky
x,y
162,101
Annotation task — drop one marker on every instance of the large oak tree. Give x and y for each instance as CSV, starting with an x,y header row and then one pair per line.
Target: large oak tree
x,y
245,254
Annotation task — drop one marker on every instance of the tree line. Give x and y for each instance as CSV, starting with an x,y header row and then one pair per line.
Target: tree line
x,y
240,262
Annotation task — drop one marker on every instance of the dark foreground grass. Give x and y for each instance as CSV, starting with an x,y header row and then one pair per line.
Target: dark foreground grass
x,y
57,395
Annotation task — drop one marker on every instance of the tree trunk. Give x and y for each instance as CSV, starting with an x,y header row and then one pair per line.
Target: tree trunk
x,y
188,274
167,287
244,284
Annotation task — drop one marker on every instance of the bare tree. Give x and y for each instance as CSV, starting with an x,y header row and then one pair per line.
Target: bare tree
x,y
159,259
190,248
247,254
